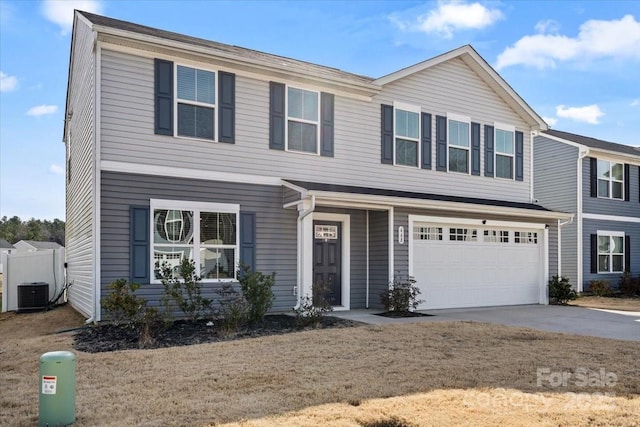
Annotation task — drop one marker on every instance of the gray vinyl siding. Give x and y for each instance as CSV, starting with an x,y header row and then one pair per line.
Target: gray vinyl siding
x,y
378,256
590,227
276,228
596,205
80,252
127,131
555,186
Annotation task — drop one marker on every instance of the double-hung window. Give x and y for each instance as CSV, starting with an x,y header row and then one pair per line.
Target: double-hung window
x,y
203,232
406,134
505,151
196,102
610,252
303,109
459,141
610,179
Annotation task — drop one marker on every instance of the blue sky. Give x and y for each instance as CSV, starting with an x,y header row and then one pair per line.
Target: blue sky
x,y
576,63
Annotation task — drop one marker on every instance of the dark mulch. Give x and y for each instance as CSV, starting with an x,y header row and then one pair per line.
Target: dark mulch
x,y
400,314
108,337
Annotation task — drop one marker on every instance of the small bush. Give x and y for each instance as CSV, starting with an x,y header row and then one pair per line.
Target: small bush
x,y
125,308
256,289
600,288
234,310
401,296
185,294
560,290
629,285
312,309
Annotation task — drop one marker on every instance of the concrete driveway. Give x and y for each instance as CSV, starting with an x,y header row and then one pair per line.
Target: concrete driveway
x,y
623,325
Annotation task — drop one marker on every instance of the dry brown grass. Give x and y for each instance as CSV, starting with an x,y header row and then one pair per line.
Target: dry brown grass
x,y
425,373
608,303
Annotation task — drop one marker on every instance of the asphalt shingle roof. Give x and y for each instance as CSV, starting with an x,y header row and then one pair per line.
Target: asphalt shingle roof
x,y
594,143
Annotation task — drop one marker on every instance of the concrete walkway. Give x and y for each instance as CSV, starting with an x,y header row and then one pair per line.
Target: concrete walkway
x,y
623,325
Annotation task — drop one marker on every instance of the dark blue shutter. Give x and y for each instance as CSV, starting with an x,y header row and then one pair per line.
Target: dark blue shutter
x,y
593,168
387,134
627,254
248,239
139,235
426,141
488,151
519,156
594,253
441,143
163,97
475,148
226,107
276,115
326,121
627,178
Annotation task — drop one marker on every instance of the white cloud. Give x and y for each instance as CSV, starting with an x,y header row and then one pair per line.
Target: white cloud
x,y
61,11
451,16
56,169
588,114
42,110
635,103
7,82
596,39
547,26
551,121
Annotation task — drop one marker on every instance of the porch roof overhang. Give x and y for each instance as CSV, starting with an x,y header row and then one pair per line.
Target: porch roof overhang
x,y
347,196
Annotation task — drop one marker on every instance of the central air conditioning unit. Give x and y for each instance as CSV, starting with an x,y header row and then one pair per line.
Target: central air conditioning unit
x,y
33,296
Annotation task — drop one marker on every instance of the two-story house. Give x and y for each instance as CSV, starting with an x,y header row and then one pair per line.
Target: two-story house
x,y
599,182
182,147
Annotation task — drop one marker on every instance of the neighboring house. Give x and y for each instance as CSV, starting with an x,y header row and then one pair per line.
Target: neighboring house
x,y
34,245
183,147
599,182
5,248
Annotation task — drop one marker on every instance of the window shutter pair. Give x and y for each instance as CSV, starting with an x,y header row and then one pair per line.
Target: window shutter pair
x,y
594,253
163,87
278,119
387,143
593,170
140,245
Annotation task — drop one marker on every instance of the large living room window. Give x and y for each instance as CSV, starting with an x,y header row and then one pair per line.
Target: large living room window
x,y
459,145
610,252
196,102
610,179
203,232
303,107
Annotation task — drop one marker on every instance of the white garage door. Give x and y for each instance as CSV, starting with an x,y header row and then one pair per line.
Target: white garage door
x,y
457,265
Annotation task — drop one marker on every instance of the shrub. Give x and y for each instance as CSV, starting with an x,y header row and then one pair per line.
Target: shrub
x,y
401,296
234,309
629,285
560,290
185,294
256,289
312,309
600,288
125,308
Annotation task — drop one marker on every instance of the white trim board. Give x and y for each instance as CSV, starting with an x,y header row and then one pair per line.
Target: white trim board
x,y
611,218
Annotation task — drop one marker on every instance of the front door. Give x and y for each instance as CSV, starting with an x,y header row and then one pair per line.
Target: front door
x,y
327,259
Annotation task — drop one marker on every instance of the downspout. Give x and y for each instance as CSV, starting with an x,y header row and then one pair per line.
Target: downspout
x,y
368,264
302,215
560,225
581,156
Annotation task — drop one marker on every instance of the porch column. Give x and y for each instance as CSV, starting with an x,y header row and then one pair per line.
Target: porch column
x,y
305,250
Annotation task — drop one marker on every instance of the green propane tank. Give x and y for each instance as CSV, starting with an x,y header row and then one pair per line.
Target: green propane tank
x,y
57,403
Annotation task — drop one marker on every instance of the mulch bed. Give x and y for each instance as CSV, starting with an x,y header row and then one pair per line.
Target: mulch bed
x,y
108,337
401,314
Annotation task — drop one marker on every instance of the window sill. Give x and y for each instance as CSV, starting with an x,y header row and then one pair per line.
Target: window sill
x,y
188,138
302,152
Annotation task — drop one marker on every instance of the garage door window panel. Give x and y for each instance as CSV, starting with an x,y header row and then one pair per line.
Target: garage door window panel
x,y
463,235
428,233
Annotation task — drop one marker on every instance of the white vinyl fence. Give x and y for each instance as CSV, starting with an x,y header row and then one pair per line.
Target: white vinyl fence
x,y
27,267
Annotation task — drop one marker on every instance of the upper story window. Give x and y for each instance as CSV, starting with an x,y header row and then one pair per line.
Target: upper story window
x,y
610,252
203,232
407,135
196,102
303,108
610,179
505,152
459,144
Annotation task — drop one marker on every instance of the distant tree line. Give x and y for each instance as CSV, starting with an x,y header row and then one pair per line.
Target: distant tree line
x,y
14,229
